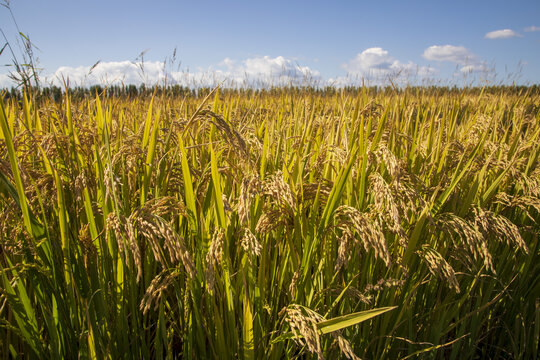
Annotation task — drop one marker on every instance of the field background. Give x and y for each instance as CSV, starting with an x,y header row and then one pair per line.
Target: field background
x,y
284,223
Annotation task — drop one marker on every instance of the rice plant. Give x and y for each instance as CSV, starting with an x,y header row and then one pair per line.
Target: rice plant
x,y
288,223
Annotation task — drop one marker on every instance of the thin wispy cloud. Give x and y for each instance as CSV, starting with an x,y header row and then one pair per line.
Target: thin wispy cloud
x,y
502,34
532,28
474,68
468,62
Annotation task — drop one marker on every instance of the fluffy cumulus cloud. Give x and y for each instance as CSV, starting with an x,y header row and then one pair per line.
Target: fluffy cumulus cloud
x,y
377,64
103,73
257,71
108,73
267,71
456,54
502,34
371,60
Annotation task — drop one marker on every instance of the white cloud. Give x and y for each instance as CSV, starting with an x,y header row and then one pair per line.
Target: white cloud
x,y
5,81
456,54
376,64
105,73
268,71
370,59
460,55
108,73
257,71
478,67
532,28
502,34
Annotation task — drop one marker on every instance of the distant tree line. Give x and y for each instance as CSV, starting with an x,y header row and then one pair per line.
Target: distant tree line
x,y
56,93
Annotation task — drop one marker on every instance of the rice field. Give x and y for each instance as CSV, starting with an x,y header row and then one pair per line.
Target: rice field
x,y
271,224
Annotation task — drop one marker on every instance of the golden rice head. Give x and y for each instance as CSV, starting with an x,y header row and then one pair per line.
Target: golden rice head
x,y
368,233
523,203
87,245
382,284
176,246
309,192
383,155
344,346
248,190
293,286
438,266
499,227
464,233
155,290
303,323
112,183
128,245
530,183
386,204
279,191
213,257
250,244
233,137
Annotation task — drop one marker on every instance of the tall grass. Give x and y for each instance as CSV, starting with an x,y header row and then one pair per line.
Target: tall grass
x,y
271,225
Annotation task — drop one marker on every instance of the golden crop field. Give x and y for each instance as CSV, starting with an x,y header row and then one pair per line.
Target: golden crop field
x,y
271,224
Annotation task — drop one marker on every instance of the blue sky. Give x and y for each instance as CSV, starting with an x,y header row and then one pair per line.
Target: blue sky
x,y
434,42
